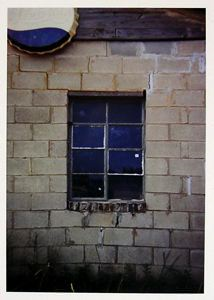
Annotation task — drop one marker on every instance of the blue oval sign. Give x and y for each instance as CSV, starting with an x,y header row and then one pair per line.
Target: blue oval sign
x,y
41,30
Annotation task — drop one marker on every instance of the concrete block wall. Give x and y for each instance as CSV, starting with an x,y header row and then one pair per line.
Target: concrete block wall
x,y
40,228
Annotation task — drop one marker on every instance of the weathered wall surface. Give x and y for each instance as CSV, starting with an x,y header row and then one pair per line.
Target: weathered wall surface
x,y
40,228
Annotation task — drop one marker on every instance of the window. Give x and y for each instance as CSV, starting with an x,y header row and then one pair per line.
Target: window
x,y
105,147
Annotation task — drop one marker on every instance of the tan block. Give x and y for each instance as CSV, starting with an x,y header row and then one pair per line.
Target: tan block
x,y
49,98
9,149
131,82
30,219
32,115
69,81
187,132
48,166
162,149
152,238
12,63
68,255
18,238
138,221
30,149
188,98
194,167
48,237
36,63
196,82
98,82
84,48
18,166
18,201
187,239
197,150
105,65
10,114
172,81
19,132
9,80
157,201
184,149
100,219
187,203
65,218
82,236
139,65
134,255
198,185
19,97
165,115
163,184
29,80
177,257
71,64
156,132
58,183
156,166
190,47
171,220
43,201
58,149
100,254
197,116
117,236
31,184
10,184
197,221
50,132
158,98
59,115
173,65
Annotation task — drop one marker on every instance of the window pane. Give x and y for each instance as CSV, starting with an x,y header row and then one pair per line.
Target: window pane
x,y
88,136
125,136
88,161
125,162
125,112
88,186
125,187
94,112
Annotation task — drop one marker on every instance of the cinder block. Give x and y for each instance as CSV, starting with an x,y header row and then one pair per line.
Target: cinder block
x,y
36,63
157,201
196,82
118,237
31,184
65,218
10,184
84,48
198,185
197,150
139,65
9,219
158,98
30,219
156,166
18,201
173,65
58,149
98,82
139,220
194,167
163,149
53,201
184,150
163,184
23,256
189,133
187,203
188,98
72,64
71,254
18,238
10,114
175,257
82,236
66,81
197,221
186,48
59,115
102,220
29,80
164,115
171,220
132,82
172,81
50,132
49,166
105,65
134,255
156,132
187,239
49,98
19,97
18,166
58,183
94,254
197,116
21,132
124,48
48,237
30,149
32,115
12,63
197,258
152,238
9,80
10,149
158,48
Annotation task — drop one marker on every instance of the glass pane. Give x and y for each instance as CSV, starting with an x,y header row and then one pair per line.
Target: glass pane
x,y
129,162
125,112
88,161
125,187
90,111
88,186
125,136
88,136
